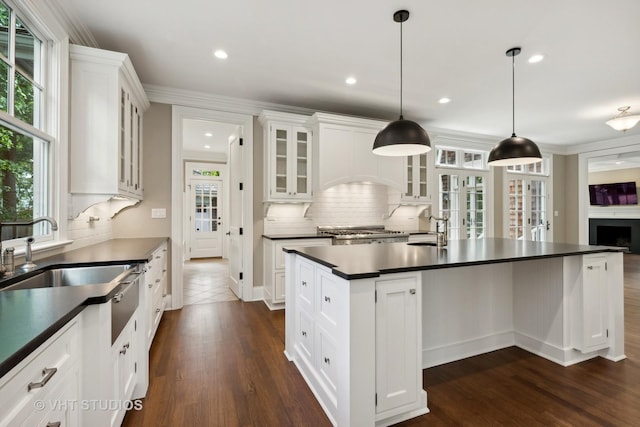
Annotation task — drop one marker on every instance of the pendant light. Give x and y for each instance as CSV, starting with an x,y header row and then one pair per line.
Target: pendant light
x,y
402,137
624,121
516,150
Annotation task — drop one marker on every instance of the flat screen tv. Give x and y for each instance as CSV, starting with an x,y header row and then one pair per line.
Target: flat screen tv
x,y
619,193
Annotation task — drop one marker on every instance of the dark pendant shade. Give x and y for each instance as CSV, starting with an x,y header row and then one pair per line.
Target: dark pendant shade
x,y
514,151
401,138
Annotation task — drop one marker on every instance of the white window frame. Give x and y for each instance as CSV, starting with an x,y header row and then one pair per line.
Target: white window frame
x,y
54,113
463,172
516,172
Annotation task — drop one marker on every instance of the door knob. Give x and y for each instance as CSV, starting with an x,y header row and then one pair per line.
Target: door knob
x,y
228,233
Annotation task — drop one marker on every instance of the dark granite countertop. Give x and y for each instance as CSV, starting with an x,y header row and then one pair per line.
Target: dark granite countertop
x,y
28,317
362,261
295,236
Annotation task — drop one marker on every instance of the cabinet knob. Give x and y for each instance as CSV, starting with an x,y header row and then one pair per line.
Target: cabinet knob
x,y
304,283
157,310
327,361
327,299
150,285
412,291
304,333
157,280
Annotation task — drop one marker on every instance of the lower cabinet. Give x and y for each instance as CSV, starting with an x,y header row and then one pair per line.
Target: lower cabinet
x,y
591,305
43,389
124,369
273,255
357,338
398,357
155,279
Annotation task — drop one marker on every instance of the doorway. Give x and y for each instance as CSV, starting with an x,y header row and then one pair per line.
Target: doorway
x,y
201,203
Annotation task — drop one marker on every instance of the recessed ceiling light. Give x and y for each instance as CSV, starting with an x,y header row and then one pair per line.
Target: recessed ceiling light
x,y
220,54
351,81
444,100
536,58
207,146
208,134
619,162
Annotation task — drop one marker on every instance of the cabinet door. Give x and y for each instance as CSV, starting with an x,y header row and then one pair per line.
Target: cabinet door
x,y
417,189
300,164
123,148
594,304
279,141
397,362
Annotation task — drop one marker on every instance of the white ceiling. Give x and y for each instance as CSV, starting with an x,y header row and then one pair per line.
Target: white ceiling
x,y
195,136
299,53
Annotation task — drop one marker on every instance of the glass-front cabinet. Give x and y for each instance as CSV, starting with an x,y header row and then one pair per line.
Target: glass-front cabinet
x,y
416,174
288,165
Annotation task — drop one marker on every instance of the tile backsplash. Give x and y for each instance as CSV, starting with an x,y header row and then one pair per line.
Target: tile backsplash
x,y
345,204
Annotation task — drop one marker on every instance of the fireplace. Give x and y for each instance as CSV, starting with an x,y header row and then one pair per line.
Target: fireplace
x,y
615,232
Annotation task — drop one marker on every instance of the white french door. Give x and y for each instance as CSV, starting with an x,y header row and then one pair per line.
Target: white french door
x,y
462,199
206,218
528,206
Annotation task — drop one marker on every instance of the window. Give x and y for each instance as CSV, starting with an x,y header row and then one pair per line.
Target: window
x,y
24,147
462,188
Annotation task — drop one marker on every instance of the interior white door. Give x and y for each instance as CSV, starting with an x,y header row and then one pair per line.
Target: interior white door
x,y
235,216
206,218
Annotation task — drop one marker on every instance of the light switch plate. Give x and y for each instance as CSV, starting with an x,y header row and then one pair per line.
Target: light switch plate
x,y
159,213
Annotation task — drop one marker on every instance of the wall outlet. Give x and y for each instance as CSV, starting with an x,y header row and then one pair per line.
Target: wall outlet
x,y
159,213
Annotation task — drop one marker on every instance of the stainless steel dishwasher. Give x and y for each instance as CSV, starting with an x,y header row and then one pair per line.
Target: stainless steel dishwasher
x,y
125,302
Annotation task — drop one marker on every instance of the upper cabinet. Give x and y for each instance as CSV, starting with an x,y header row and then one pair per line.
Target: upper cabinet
x,y
416,179
288,157
343,153
107,106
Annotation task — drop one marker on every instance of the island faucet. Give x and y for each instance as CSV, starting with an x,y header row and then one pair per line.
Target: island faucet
x,y
443,236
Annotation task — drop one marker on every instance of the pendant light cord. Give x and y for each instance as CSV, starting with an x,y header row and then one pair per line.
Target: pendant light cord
x,y
513,96
401,118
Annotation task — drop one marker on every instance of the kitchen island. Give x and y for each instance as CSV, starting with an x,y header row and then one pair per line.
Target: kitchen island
x,y
363,321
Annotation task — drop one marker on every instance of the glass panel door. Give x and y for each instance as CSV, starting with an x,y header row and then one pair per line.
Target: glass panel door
x,y
475,218
409,192
206,208
449,197
422,175
538,210
302,172
281,161
516,213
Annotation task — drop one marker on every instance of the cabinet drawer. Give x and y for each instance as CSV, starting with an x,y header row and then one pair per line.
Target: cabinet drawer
x,y
305,335
327,361
305,285
40,373
328,299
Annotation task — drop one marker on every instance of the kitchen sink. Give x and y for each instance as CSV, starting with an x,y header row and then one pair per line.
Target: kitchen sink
x,y
72,276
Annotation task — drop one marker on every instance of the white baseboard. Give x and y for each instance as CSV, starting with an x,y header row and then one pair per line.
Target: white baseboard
x,y
451,352
562,356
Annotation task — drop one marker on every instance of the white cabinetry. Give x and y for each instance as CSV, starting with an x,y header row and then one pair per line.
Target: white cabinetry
x,y
416,179
42,389
124,369
398,357
274,289
288,157
107,105
342,153
590,305
155,289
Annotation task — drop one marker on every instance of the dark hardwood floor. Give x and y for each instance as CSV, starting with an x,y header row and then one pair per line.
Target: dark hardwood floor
x,y
221,364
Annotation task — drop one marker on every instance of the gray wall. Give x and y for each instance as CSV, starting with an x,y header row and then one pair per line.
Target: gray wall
x,y
136,221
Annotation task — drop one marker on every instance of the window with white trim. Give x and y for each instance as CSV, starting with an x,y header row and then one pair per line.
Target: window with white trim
x,y
463,179
528,201
25,147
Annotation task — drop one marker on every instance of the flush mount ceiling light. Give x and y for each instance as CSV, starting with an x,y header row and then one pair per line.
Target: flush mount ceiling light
x,y
444,100
220,54
624,121
402,137
515,150
351,81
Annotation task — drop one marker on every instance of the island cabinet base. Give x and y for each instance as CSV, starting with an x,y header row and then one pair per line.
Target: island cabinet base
x,y
357,343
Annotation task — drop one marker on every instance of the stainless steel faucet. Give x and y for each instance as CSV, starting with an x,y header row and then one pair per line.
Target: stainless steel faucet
x,y
28,264
442,236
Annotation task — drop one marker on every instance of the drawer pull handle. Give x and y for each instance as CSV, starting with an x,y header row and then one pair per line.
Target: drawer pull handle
x,y
54,424
590,267
157,310
118,297
123,351
157,256
48,373
157,280
412,291
150,285
304,283
327,361
164,270
304,333
164,250
327,299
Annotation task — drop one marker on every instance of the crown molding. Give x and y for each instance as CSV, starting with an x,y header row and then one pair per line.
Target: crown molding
x,y
77,31
624,141
187,98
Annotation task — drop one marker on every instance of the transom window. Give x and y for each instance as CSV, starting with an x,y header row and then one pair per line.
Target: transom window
x,y
461,158
24,147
